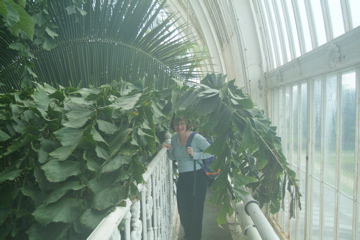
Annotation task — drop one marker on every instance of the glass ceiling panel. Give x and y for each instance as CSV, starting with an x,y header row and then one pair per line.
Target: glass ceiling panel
x,y
337,22
354,9
293,27
276,35
318,19
269,34
286,47
305,25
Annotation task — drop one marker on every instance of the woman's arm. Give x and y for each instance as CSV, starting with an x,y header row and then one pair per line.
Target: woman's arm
x,y
199,145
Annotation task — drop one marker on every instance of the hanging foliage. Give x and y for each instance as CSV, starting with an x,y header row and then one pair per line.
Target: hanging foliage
x,y
248,151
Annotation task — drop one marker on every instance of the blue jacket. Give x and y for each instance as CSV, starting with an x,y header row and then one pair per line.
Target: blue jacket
x,y
185,161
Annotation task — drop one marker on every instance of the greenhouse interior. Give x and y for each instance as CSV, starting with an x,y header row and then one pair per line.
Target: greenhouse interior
x,y
88,89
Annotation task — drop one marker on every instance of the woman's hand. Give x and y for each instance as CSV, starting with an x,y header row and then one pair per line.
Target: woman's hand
x,y
190,151
168,146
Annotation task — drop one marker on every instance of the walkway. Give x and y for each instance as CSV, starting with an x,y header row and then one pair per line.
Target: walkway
x,y
211,230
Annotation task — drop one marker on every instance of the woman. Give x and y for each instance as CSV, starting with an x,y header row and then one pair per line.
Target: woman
x,y
192,184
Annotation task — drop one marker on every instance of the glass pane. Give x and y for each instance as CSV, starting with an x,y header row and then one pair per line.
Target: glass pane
x,y
293,28
286,105
328,212
269,34
336,17
347,161
317,163
318,21
287,122
345,218
305,25
276,34
301,213
316,209
295,125
304,127
354,10
286,48
358,221
330,130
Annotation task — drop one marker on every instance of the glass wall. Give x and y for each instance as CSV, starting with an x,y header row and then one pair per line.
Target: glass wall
x,y
319,126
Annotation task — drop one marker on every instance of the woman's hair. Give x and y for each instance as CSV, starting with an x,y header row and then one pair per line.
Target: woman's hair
x,y
175,120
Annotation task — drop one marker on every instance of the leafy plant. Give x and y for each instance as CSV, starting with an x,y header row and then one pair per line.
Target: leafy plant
x,y
248,150
26,25
69,156
91,43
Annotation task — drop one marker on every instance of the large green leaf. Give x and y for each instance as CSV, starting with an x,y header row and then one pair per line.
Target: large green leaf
x,y
62,153
57,171
107,127
52,231
91,163
10,174
36,194
69,136
91,218
40,97
59,192
96,135
248,140
102,153
117,143
109,197
19,143
241,180
126,102
77,119
4,136
115,163
17,18
66,210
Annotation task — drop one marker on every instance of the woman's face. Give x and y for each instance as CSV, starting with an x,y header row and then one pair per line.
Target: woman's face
x,y
180,127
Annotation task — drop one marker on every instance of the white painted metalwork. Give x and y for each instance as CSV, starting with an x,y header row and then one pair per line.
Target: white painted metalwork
x,y
153,216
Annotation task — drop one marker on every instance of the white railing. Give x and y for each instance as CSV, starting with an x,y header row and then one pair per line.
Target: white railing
x,y
151,217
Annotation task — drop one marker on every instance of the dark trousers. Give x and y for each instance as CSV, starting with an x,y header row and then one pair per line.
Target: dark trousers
x,y
191,203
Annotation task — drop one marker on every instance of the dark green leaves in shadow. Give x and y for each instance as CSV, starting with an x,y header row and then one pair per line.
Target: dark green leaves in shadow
x,y
67,155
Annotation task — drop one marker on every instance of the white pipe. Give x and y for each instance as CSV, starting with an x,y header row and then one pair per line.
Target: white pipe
x,y
262,224
246,223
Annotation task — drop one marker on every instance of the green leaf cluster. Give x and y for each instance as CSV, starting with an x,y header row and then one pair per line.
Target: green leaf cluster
x,y
69,156
248,151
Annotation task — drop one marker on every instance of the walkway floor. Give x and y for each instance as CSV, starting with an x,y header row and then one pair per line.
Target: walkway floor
x,y
211,230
